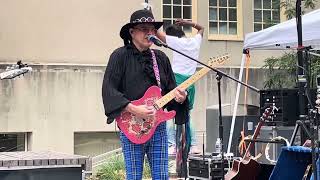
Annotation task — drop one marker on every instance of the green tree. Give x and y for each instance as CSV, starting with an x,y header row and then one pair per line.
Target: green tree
x,y
290,7
281,72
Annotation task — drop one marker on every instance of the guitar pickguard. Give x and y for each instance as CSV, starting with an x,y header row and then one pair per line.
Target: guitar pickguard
x,y
139,130
137,126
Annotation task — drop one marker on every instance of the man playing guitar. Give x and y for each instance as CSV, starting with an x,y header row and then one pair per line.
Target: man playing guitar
x,y
131,70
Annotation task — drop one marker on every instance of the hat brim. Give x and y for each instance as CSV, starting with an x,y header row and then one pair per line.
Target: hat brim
x,y
124,32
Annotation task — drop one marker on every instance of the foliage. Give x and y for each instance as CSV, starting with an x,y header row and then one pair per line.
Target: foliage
x,y
281,72
115,169
290,7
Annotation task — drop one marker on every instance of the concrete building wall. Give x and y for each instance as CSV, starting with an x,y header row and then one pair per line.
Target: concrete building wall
x,y
53,104
61,98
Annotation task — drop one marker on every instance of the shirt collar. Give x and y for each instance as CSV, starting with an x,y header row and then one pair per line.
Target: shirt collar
x,y
135,51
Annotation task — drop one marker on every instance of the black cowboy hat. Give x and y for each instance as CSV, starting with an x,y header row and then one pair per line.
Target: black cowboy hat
x,y
138,17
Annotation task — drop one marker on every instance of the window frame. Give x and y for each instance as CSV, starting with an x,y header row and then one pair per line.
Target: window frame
x,y
193,15
229,37
25,141
282,16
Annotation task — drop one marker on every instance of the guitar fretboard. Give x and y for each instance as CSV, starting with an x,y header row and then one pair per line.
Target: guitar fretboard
x,y
198,75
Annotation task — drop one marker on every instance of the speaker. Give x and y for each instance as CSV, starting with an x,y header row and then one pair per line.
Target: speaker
x,y
250,118
287,102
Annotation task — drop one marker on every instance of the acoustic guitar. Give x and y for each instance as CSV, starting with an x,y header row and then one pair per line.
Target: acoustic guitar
x,y
139,130
248,168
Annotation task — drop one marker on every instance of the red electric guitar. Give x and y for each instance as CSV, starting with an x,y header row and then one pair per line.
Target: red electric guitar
x,y
139,130
248,168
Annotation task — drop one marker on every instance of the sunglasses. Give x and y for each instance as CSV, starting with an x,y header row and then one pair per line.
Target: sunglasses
x,y
146,29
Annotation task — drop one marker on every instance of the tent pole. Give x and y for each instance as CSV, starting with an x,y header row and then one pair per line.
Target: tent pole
x,y
235,106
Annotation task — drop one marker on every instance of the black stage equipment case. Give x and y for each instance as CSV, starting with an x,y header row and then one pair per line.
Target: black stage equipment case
x,y
208,167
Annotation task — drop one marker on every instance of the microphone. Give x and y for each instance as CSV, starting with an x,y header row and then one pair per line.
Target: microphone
x,y
156,40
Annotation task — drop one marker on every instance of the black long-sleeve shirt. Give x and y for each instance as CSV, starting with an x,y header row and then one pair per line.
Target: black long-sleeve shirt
x,y
129,74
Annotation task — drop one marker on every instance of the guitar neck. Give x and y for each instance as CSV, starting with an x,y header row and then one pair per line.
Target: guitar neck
x,y
255,135
191,80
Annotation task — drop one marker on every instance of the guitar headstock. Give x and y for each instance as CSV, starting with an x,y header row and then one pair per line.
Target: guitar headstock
x,y
218,61
15,70
266,114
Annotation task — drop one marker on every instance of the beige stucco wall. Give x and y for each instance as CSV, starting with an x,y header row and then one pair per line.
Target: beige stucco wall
x,y
67,31
81,31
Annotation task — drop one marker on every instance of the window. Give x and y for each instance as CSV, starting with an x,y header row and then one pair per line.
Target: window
x,y
13,142
223,19
176,9
266,13
95,143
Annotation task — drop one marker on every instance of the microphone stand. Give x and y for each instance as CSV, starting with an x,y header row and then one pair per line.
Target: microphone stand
x,y
219,75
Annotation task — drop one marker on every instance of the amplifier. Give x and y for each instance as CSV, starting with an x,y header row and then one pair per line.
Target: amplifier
x,y
270,132
212,125
205,168
287,102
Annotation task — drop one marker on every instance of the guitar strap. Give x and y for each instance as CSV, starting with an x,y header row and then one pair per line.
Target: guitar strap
x,y
242,147
155,68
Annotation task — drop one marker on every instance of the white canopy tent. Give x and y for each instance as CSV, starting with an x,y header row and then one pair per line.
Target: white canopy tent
x,y
284,35
279,37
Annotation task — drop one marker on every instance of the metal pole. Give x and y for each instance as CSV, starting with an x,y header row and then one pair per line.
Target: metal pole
x,y
303,82
218,77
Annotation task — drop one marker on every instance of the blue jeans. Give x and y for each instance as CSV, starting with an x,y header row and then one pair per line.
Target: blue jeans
x,y
171,132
